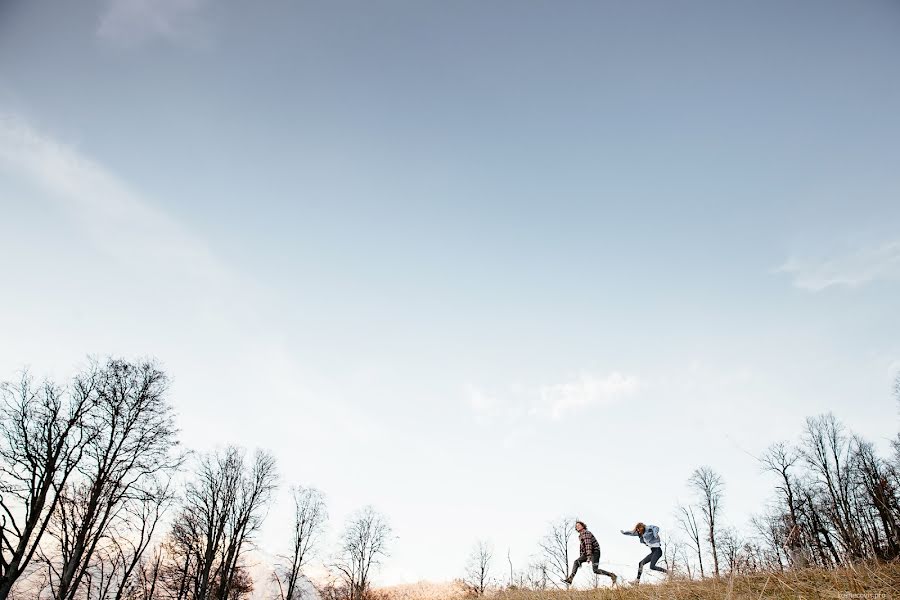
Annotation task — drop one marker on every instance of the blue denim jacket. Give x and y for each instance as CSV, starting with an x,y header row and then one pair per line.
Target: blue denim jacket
x,y
650,537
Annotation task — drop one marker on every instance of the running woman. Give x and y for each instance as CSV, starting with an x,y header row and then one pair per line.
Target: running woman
x,y
649,536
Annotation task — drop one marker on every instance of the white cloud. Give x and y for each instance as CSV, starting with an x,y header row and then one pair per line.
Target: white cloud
x,y
484,407
134,22
587,390
865,265
552,401
115,218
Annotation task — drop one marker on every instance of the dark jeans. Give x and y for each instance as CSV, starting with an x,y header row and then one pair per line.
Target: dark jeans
x,y
595,562
655,555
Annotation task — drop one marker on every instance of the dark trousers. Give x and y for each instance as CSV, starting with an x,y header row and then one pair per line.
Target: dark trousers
x,y
595,562
655,555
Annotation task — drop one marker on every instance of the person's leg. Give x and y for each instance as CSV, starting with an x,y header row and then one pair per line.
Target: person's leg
x,y
655,555
595,563
575,565
641,564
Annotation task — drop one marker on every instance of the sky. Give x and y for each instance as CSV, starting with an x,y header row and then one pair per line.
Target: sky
x,y
478,264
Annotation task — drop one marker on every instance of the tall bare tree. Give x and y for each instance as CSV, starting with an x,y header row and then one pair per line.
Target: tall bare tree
x,y
364,544
42,439
222,510
827,451
781,459
880,496
554,547
687,520
709,488
131,436
310,515
478,568
255,494
199,531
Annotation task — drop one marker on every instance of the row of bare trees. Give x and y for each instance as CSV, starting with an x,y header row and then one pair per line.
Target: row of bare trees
x,y
836,502
97,502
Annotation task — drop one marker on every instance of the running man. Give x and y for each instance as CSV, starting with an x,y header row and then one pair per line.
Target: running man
x,y
590,550
649,536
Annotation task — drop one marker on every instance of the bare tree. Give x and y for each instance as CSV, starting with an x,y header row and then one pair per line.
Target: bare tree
x,y
708,486
200,530
731,546
310,515
222,510
880,496
688,522
255,494
538,575
781,459
42,439
687,563
118,569
827,451
478,568
364,544
555,547
671,549
770,531
130,439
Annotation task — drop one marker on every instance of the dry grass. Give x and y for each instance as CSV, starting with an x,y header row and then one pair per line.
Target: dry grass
x,y
864,582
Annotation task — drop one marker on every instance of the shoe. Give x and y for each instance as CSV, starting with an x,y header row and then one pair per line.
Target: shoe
x,y
614,578
567,581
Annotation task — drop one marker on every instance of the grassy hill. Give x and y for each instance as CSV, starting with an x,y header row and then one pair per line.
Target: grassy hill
x,y
862,582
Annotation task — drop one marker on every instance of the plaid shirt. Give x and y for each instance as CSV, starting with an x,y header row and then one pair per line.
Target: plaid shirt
x,y
588,543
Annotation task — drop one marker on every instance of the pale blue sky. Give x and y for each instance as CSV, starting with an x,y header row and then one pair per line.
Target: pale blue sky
x,y
421,250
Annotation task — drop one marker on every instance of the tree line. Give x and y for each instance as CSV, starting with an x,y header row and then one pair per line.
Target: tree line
x,y
98,501
835,502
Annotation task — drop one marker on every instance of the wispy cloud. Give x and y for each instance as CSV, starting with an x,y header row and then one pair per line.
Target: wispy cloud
x,y
118,220
134,232
587,390
854,269
551,401
135,22
484,406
